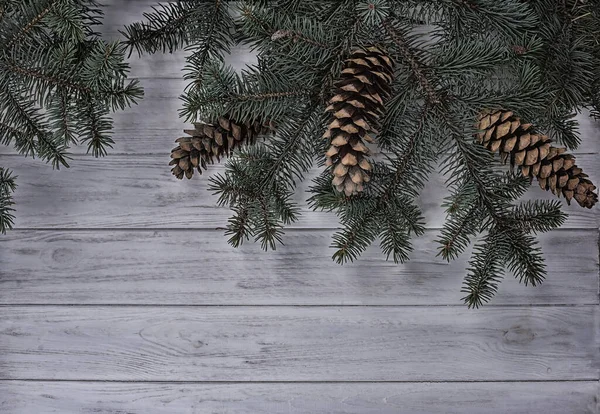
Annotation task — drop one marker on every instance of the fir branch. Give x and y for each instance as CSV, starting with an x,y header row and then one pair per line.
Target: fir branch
x,y
25,115
538,216
484,272
167,29
32,23
95,127
475,54
8,133
293,148
7,188
238,227
256,96
415,66
50,81
379,209
60,114
213,41
295,36
470,164
456,233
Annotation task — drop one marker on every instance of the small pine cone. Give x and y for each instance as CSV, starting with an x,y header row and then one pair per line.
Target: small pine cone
x,y
209,141
356,108
533,153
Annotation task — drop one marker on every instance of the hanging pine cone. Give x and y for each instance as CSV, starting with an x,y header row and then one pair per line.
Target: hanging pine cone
x,y
209,141
356,108
533,153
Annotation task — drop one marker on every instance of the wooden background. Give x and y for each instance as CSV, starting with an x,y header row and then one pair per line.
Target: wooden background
x,y
119,294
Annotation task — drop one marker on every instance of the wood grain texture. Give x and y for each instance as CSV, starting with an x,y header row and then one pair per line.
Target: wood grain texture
x,y
349,398
124,238
139,191
200,268
152,126
299,343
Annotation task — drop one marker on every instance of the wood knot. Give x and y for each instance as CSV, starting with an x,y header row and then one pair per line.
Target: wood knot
x,y
517,334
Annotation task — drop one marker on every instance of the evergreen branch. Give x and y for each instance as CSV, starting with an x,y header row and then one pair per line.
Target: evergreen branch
x,y
212,42
50,80
273,30
59,113
301,41
7,187
456,233
474,54
58,79
395,242
167,29
357,235
435,100
293,143
239,226
523,257
415,66
32,23
95,127
538,216
295,36
9,132
26,115
474,164
484,273
381,207
255,97
52,151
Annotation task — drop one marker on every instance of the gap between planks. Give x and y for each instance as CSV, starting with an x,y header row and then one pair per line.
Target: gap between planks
x,y
299,382
215,229
260,305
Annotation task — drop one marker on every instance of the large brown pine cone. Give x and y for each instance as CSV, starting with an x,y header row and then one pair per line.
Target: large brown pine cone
x,y
555,170
209,141
356,108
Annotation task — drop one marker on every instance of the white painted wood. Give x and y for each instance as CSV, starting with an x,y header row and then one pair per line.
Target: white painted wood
x,y
139,191
96,252
153,125
18,397
299,343
200,268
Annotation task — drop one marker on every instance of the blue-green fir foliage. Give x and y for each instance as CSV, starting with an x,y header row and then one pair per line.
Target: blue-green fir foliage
x,y
452,59
59,81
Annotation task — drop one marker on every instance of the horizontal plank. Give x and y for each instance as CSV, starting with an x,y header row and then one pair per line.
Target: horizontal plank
x,y
299,343
152,126
200,268
18,397
139,191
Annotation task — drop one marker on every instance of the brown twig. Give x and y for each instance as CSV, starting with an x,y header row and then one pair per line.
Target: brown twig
x,y
53,80
31,24
415,66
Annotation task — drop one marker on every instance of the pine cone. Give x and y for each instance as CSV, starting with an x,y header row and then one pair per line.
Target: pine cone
x,y
356,108
209,141
533,153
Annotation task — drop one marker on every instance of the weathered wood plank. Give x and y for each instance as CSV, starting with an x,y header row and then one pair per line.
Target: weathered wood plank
x,y
299,343
139,191
153,125
18,397
200,268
